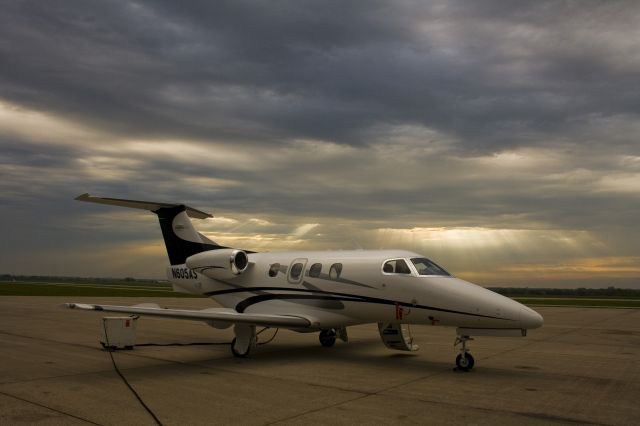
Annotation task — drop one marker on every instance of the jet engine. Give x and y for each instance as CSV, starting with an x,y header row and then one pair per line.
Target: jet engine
x,y
221,263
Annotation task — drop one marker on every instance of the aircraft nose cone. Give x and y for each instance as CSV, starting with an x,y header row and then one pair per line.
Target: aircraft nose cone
x,y
530,318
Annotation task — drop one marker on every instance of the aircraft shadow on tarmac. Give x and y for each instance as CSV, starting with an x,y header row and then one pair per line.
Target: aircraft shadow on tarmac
x,y
274,356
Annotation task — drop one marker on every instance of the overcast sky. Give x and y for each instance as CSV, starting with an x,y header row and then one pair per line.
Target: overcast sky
x,y
500,139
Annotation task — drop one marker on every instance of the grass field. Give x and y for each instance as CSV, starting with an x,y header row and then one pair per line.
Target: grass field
x,y
24,288
121,289
579,301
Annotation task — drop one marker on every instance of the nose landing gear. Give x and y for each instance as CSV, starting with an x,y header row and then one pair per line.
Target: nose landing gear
x,y
464,360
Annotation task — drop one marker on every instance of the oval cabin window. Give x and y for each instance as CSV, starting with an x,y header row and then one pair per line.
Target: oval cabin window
x,y
315,270
274,269
335,271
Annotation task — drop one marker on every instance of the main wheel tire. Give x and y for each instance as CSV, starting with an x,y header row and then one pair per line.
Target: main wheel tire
x,y
466,362
236,353
327,338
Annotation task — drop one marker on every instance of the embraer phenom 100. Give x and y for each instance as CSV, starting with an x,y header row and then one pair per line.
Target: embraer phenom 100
x,y
320,291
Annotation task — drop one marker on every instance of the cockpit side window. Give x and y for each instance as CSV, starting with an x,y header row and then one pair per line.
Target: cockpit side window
x,y
425,266
396,266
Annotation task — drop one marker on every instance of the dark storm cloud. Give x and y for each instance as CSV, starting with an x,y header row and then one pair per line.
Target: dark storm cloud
x,y
490,74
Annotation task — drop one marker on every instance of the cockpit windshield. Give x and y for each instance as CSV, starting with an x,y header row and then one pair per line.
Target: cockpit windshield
x,y
426,267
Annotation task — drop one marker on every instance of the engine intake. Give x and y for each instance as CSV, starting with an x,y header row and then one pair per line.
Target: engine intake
x,y
239,261
222,263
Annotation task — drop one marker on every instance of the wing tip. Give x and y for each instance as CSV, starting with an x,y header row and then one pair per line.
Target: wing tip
x,y
85,306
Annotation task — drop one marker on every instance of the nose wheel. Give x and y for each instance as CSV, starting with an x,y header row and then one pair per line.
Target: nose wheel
x,y
464,360
239,353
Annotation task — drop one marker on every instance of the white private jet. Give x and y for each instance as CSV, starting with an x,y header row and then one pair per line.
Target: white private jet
x,y
320,291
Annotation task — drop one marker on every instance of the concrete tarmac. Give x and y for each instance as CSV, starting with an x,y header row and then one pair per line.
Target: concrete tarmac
x,y
582,367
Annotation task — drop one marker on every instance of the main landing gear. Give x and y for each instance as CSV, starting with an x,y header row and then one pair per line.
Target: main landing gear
x,y
247,339
244,341
464,360
328,336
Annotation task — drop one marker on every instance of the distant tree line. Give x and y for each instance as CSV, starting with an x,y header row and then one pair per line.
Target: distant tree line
x,y
55,279
575,292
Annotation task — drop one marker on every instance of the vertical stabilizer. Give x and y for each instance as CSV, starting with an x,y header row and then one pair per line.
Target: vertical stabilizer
x,y
180,237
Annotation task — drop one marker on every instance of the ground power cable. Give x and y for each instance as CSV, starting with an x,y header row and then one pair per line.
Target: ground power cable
x,y
133,391
268,341
212,343
185,344
124,379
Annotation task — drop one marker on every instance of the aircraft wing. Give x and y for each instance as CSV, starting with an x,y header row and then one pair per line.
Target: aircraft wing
x,y
211,314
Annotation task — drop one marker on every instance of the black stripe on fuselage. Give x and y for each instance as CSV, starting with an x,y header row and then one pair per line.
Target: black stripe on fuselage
x,y
325,295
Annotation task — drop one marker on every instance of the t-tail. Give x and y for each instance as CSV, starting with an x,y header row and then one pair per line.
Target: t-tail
x,y
180,237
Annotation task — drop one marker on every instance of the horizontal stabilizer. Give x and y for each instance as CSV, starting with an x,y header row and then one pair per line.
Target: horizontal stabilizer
x,y
144,205
211,314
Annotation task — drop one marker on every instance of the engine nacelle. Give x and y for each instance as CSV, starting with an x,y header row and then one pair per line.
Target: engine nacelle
x,y
222,263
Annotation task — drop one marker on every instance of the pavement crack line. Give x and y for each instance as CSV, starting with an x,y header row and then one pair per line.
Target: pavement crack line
x,y
156,358
563,333
361,395
526,414
44,339
314,410
49,408
364,395
539,416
